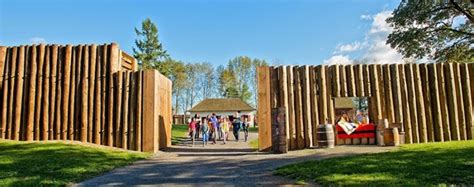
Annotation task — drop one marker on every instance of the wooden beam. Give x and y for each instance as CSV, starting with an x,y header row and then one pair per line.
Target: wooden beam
x,y
435,102
442,81
291,109
151,114
30,94
90,95
425,85
323,93
126,93
56,98
314,104
452,102
20,73
66,84
388,93
374,76
284,99
42,110
5,90
468,103
118,85
299,109
420,104
97,96
84,93
405,106
139,124
103,95
460,101
412,102
308,128
397,100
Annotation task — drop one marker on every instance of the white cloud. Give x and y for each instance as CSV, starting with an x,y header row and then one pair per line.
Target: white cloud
x,y
338,59
379,25
366,17
342,48
375,49
37,40
378,51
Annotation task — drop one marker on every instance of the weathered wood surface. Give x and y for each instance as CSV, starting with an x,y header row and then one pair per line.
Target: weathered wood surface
x,y
433,102
54,92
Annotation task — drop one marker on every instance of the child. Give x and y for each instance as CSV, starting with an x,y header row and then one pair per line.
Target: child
x,y
205,132
245,126
224,128
192,130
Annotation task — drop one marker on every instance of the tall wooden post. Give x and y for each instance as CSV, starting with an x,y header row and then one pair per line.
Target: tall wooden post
x,y
264,110
150,111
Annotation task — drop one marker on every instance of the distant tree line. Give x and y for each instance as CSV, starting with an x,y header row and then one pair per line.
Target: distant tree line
x,y
194,82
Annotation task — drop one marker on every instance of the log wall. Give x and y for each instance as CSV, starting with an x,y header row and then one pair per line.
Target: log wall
x,y
433,102
86,93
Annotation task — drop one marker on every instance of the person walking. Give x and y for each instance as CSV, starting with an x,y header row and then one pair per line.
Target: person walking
x,y
192,130
245,127
215,127
224,128
236,125
205,132
198,125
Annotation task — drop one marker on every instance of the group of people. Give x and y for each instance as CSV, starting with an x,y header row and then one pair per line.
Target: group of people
x,y
214,128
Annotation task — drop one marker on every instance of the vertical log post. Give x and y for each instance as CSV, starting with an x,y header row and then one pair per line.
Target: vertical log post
x,y
264,110
150,111
291,109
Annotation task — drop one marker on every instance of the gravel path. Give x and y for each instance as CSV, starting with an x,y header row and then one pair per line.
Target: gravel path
x,y
232,164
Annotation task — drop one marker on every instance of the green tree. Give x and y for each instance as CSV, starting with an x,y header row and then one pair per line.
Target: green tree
x,y
149,51
441,30
177,75
238,78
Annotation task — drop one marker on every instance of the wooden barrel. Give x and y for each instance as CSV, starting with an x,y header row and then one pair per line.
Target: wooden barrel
x,y
391,137
325,136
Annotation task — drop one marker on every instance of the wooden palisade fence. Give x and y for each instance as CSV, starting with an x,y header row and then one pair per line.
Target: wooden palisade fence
x,y
433,102
88,93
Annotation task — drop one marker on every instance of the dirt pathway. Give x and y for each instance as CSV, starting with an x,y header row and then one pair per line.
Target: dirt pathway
x,y
232,164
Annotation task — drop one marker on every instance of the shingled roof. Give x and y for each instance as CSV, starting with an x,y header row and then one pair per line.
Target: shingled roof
x,y
221,105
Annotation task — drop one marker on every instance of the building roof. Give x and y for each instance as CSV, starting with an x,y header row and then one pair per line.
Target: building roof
x,y
221,105
344,102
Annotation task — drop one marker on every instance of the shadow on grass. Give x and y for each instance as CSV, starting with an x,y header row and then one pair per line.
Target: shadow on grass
x,y
57,164
424,164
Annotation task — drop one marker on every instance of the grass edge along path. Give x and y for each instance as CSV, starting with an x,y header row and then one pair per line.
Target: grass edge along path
x,y
178,133
58,163
413,165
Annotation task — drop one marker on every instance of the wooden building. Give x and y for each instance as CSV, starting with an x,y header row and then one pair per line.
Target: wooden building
x,y
223,107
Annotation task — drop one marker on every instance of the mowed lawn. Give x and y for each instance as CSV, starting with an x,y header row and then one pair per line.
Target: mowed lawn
x,y
413,165
57,163
178,133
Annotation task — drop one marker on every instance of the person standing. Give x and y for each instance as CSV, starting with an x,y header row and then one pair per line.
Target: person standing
x,y
198,125
236,125
215,126
205,132
192,130
224,128
245,126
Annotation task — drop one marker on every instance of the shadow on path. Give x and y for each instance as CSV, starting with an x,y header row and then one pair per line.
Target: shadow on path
x,y
183,166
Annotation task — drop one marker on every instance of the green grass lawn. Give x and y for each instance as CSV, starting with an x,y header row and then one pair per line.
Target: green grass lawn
x,y
412,165
253,129
254,144
57,164
178,132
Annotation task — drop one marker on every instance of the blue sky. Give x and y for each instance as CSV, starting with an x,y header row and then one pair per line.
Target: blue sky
x,y
279,31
